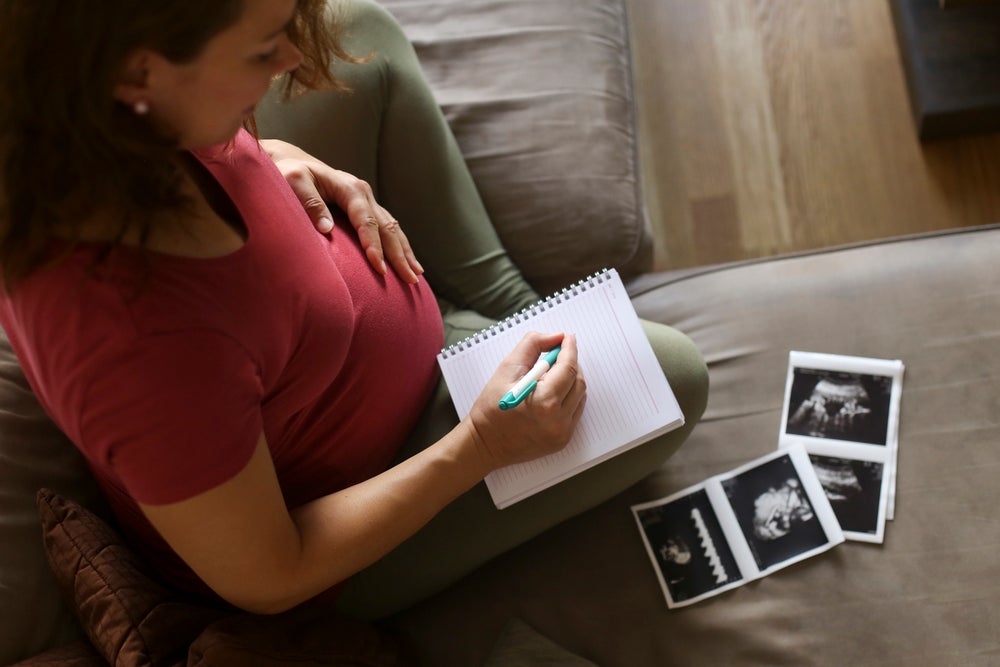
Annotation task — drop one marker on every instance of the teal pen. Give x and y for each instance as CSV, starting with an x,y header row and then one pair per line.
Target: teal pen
x,y
527,384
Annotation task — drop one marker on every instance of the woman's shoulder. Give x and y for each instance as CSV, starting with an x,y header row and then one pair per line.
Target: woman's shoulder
x,y
61,300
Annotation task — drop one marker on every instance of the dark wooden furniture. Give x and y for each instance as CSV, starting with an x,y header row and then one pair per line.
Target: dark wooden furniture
x,y
951,57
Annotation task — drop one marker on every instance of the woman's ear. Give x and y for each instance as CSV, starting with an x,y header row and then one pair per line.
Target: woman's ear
x,y
132,88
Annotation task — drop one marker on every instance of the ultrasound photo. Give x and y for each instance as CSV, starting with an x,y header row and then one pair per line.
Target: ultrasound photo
x,y
774,513
839,405
854,490
690,549
738,526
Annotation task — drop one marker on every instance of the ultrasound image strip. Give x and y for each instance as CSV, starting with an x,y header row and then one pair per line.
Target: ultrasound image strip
x,y
708,546
845,411
715,536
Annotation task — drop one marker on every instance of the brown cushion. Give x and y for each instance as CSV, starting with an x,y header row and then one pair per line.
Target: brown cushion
x,y
133,619
129,616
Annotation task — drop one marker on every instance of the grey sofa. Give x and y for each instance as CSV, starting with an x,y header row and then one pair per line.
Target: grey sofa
x,y
538,93
931,593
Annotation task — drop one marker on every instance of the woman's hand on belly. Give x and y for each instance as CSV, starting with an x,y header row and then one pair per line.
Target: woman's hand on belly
x,y
314,183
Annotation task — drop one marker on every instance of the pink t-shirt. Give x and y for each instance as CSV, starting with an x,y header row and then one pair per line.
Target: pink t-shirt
x,y
166,389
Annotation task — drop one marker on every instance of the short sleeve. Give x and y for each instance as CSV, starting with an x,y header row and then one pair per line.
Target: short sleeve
x,y
175,416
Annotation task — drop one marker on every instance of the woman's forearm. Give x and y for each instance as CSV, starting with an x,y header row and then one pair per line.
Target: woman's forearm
x,y
344,532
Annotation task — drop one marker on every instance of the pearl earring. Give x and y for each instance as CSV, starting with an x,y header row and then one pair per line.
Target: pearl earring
x,y
141,108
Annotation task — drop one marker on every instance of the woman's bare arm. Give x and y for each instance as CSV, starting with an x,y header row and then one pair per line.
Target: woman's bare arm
x,y
242,541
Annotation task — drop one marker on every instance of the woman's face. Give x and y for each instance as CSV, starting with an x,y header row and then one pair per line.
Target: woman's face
x,y
204,102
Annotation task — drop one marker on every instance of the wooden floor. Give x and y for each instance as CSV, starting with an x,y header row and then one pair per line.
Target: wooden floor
x,y
772,126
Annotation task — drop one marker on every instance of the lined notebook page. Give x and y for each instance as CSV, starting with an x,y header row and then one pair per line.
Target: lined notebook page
x,y
629,400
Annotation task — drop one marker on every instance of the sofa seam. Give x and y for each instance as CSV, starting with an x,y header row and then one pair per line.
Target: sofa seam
x,y
638,191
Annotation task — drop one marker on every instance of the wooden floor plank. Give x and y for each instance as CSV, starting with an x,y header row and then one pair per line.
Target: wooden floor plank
x,y
787,125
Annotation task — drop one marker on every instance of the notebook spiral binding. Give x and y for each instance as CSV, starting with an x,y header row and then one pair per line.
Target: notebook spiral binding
x,y
527,313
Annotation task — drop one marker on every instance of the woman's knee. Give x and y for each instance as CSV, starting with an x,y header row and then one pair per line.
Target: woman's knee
x,y
684,366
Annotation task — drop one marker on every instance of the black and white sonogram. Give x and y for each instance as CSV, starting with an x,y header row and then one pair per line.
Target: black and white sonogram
x,y
774,512
853,488
690,549
839,405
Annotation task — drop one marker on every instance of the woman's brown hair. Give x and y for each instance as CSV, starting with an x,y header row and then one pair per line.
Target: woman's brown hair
x,y
68,150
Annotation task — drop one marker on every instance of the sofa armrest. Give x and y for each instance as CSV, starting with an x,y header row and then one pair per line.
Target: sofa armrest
x,y
33,453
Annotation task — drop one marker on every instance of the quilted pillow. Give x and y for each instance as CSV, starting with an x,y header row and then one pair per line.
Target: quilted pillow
x,y
133,619
130,618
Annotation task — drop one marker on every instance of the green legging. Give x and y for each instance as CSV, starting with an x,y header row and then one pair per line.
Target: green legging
x,y
390,131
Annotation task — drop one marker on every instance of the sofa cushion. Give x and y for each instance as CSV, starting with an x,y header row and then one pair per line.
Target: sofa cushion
x,y
928,596
542,109
33,453
302,637
129,617
76,654
520,645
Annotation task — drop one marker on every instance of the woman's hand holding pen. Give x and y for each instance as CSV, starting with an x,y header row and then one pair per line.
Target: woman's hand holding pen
x,y
545,421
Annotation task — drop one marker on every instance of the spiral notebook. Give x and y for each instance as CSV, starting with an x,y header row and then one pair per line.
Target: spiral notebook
x,y
629,400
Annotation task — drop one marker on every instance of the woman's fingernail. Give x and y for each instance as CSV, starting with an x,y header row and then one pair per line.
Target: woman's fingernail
x,y
325,224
